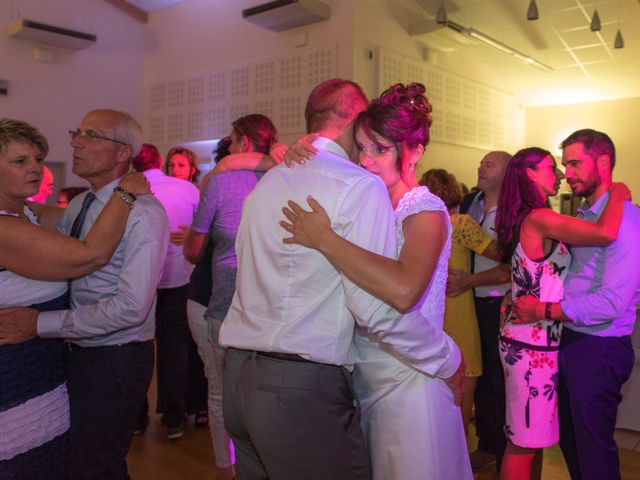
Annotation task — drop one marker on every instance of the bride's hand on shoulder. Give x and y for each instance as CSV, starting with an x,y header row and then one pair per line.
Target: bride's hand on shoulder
x,y
301,151
307,228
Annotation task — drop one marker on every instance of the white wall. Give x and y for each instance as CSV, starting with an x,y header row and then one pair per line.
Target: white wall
x,y
383,24
201,35
548,126
55,96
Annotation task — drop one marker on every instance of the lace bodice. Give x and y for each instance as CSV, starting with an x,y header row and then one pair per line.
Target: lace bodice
x,y
420,199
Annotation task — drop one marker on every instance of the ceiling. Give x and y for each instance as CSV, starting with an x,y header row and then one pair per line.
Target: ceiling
x,y
151,5
586,66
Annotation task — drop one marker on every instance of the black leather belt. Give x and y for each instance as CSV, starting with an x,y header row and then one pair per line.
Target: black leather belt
x,y
292,357
72,347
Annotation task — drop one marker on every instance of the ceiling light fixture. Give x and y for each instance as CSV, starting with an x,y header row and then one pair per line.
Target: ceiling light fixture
x,y
498,45
595,21
532,12
441,16
619,41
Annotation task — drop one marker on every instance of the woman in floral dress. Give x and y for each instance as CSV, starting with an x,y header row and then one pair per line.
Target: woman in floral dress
x,y
531,236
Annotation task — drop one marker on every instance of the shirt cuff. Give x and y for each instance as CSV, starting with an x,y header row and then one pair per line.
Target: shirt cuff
x,y
572,312
49,324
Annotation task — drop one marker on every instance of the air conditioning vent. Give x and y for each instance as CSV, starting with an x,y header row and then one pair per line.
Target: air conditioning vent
x,y
48,34
285,14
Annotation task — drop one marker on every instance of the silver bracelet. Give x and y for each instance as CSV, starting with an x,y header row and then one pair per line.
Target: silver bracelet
x,y
125,199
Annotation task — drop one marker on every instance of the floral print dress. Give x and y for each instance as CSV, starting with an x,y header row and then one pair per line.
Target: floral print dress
x,y
529,353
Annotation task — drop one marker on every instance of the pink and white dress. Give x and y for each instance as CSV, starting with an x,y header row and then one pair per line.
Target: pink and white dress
x,y
529,353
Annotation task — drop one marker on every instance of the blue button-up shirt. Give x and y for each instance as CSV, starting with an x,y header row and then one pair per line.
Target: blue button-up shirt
x,y
603,284
115,304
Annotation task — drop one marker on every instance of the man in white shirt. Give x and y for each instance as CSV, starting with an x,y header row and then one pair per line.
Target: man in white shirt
x,y
288,398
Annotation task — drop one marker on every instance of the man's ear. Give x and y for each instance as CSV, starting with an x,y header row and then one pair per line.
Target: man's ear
x,y
125,153
246,144
603,164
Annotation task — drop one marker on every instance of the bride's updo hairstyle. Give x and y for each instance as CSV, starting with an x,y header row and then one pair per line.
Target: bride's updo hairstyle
x,y
402,116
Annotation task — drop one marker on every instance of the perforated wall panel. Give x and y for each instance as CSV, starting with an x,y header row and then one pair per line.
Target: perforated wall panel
x,y
202,105
465,112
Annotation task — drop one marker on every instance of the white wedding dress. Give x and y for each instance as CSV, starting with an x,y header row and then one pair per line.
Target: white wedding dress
x,y
412,426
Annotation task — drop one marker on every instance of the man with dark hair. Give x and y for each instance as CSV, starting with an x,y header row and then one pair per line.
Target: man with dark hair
x,y
601,290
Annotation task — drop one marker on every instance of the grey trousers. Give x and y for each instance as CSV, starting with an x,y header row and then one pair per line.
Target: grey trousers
x,y
292,420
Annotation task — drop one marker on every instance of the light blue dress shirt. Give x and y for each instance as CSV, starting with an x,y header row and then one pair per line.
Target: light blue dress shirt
x,y
603,284
115,304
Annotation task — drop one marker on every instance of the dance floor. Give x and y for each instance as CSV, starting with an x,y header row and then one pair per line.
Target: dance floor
x,y
154,457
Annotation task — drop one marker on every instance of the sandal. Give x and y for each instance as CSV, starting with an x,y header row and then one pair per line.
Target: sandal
x,y
202,419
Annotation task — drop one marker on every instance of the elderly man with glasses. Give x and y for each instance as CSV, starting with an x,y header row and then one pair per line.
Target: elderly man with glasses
x,y
110,328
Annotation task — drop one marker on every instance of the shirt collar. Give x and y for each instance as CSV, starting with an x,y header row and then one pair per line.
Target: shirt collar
x,y
104,194
153,172
479,200
324,143
597,208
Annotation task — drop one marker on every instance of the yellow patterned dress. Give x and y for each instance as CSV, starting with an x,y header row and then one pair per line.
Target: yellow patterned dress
x,y
460,320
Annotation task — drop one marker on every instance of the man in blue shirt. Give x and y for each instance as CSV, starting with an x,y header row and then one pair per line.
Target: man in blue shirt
x,y
598,312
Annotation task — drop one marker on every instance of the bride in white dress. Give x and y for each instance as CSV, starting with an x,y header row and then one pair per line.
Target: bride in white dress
x,y
410,418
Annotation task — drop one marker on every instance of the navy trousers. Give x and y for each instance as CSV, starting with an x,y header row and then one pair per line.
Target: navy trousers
x,y
107,386
173,339
592,371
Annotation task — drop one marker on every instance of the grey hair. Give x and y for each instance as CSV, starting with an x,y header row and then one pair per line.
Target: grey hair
x,y
130,132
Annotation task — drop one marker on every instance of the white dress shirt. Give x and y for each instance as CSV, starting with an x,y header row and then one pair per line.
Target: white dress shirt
x,y
480,263
180,200
115,304
289,298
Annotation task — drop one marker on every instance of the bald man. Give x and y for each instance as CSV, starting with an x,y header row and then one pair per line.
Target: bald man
x,y
490,281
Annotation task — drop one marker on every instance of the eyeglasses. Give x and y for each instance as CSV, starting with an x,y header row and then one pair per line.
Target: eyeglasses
x,y
91,135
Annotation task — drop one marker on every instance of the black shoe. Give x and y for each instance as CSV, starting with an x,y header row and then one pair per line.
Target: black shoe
x,y
174,433
141,424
